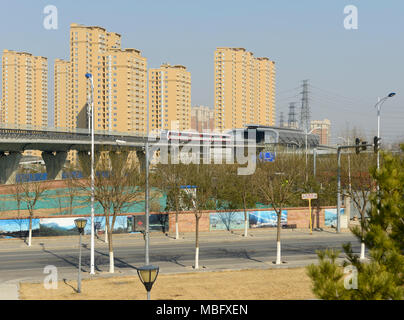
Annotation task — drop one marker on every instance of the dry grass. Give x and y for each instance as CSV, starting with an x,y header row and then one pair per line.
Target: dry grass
x,y
270,284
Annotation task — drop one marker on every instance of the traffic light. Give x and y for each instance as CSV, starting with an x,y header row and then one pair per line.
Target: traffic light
x,y
376,144
357,144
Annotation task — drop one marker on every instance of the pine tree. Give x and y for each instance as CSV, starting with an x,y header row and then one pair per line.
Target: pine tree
x,y
382,277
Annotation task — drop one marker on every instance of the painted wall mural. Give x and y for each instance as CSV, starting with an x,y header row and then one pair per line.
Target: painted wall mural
x,y
226,220
12,228
265,219
235,220
330,216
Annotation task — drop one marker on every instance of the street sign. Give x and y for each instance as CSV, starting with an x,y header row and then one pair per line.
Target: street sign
x,y
306,196
309,196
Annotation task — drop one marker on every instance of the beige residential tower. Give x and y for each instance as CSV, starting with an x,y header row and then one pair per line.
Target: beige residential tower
x,y
244,89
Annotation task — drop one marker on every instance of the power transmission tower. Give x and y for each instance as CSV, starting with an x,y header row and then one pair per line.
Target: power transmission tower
x,y
305,111
292,123
281,121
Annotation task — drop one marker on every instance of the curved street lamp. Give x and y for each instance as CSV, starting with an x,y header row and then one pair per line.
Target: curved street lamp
x,y
80,225
378,105
148,275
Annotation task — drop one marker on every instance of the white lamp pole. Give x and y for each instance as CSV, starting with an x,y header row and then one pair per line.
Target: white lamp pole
x,y
147,195
307,133
379,106
90,77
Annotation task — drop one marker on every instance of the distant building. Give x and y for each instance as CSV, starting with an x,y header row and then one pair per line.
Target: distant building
x,y
323,129
202,118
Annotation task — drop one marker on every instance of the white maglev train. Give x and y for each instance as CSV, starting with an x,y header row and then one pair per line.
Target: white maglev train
x,y
184,136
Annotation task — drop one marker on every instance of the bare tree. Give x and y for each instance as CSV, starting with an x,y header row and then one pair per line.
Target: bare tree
x,y
200,177
118,185
236,192
17,196
276,183
169,178
31,193
71,186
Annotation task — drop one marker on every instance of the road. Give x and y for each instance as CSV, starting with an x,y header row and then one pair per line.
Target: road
x,y
218,251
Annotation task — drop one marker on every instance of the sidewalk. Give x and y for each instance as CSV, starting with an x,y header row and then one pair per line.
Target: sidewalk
x,y
9,291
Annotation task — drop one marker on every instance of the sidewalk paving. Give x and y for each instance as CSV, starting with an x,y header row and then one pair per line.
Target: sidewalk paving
x,y
9,291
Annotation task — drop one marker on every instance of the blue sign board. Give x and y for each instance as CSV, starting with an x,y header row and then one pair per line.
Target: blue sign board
x,y
267,156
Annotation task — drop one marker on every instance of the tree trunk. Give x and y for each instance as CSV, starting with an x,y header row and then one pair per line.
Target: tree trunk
x,y
362,250
245,223
177,235
362,213
278,238
278,252
106,232
197,241
30,231
111,252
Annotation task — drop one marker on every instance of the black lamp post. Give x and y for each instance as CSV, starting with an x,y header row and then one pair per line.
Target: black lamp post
x,y
148,275
80,224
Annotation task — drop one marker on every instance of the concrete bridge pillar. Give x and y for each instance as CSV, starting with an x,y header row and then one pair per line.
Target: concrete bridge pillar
x,y
54,163
8,166
85,161
141,157
118,159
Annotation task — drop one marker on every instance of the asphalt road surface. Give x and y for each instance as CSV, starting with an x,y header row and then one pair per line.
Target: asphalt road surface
x,y
225,252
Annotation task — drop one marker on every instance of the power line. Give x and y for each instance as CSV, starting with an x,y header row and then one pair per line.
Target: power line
x,y
341,96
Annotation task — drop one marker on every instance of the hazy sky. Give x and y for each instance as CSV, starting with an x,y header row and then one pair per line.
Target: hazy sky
x,y
347,69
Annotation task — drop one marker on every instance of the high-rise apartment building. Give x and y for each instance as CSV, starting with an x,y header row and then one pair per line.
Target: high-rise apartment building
x,y
63,116
25,89
126,76
169,98
323,129
202,119
88,54
244,89
119,78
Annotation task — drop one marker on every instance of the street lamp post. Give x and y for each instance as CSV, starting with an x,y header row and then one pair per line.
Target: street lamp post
x,y
90,77
80,224
148,275
314,162
379,106
307,133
